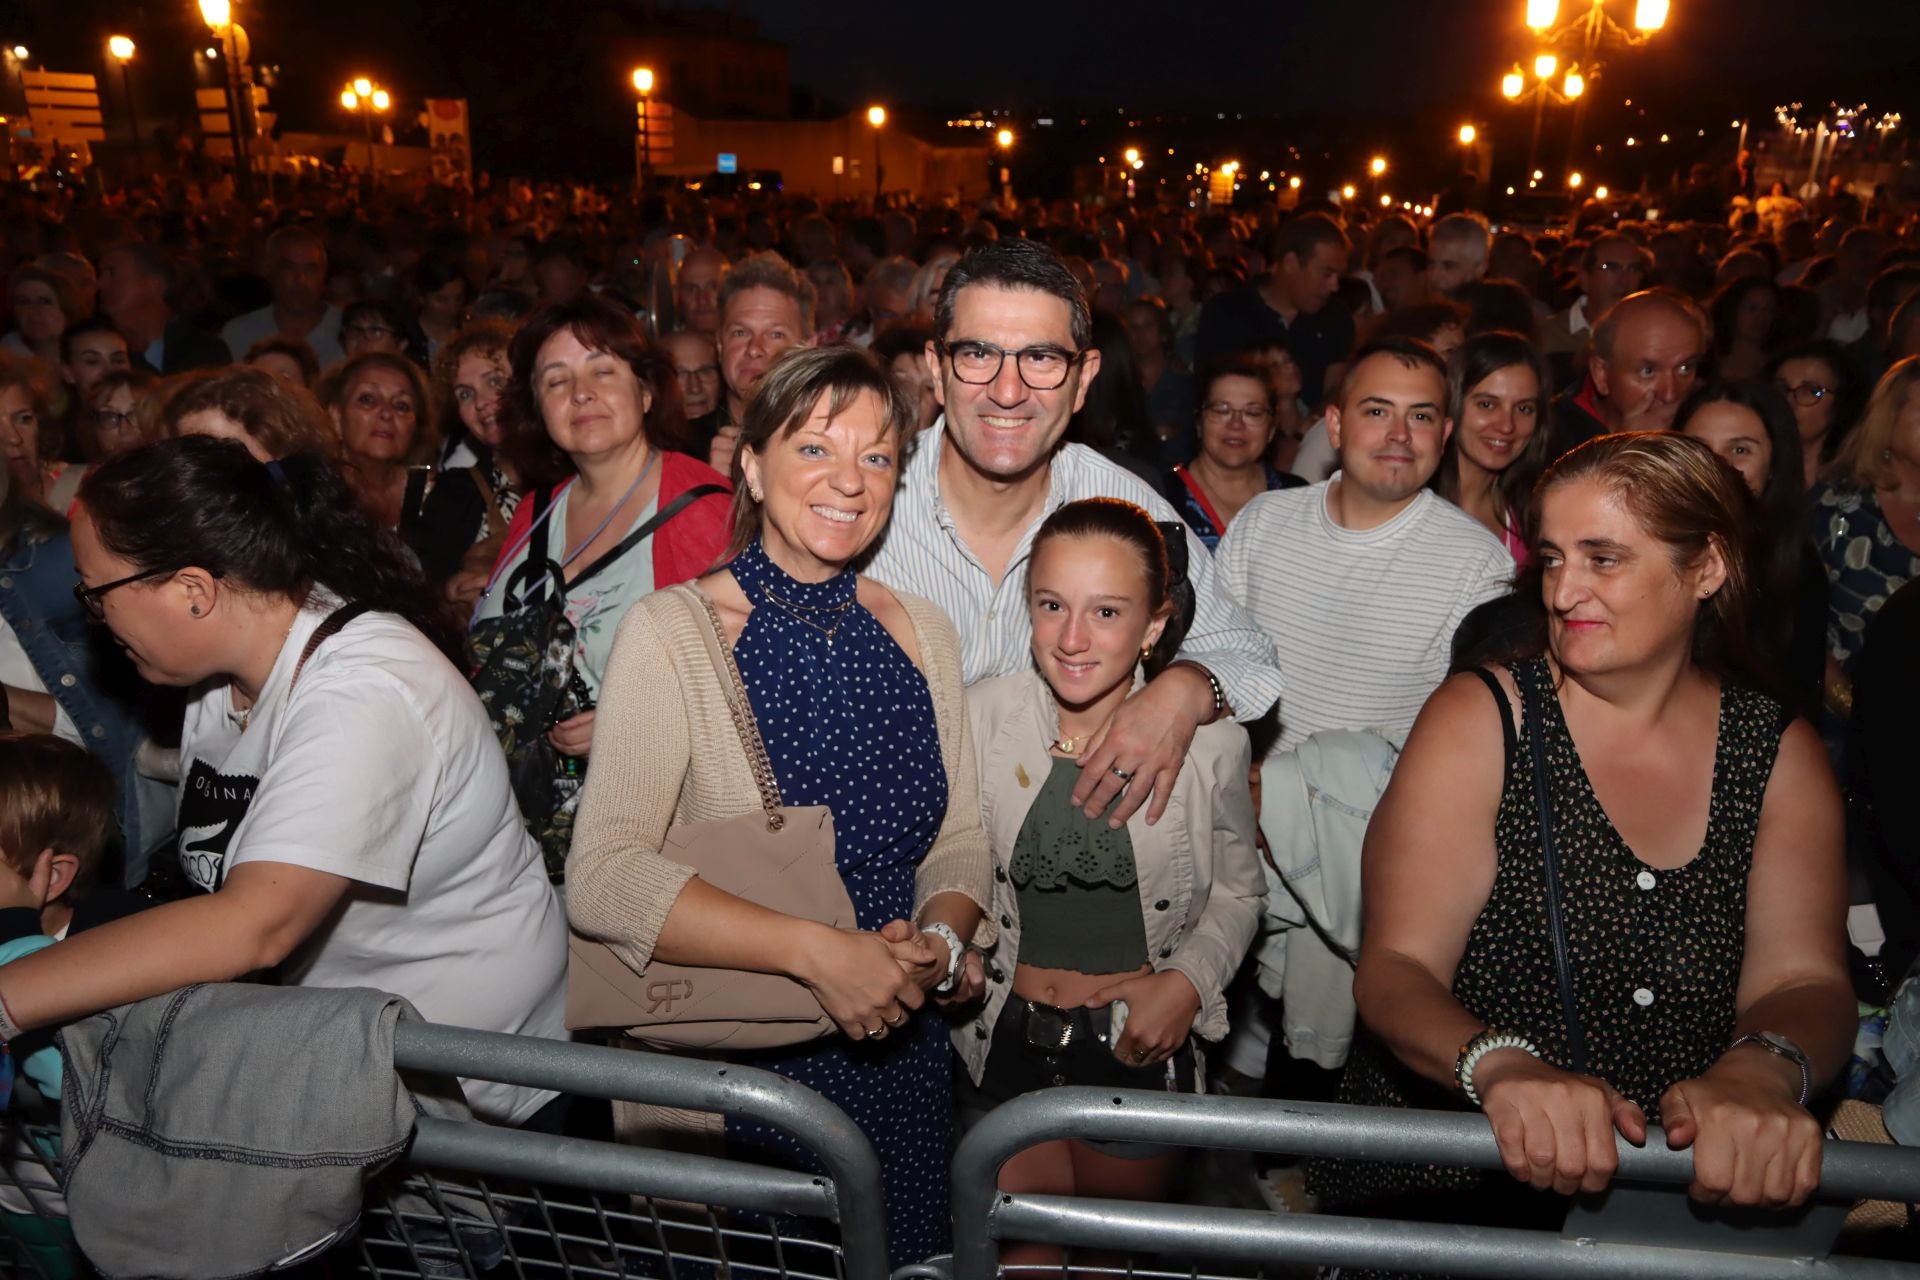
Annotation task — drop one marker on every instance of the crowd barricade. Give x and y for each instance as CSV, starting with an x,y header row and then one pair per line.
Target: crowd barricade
x,y
1645,1230
480,1201
476,1200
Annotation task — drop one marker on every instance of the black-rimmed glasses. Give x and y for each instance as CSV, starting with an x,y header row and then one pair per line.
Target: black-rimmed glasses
x,y
1041,368
89,597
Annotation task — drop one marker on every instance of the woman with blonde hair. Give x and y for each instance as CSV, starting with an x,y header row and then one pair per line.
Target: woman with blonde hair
x,y
1866,519
272,418
1605,888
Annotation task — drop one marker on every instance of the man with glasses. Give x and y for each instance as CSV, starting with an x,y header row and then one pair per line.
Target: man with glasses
x,y
296,268
1011,363
1612,267
1646,359
696,369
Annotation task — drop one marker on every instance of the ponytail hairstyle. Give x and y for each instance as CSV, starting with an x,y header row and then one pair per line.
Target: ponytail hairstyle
x,y
1162,549
278,528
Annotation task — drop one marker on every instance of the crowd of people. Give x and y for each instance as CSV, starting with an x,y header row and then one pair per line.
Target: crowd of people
x,y
1392,660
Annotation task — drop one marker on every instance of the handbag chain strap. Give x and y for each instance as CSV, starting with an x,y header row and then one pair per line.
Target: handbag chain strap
x,y
743,721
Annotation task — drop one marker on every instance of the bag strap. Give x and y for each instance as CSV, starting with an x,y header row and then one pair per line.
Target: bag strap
x,y
488,502
685,499
1562,959
743,720
329,627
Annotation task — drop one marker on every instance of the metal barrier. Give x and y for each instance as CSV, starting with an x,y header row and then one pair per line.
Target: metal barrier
x,y
445,1221
983,1216
476,1200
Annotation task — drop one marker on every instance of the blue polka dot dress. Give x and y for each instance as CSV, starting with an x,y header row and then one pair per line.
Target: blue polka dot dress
x,y
848,722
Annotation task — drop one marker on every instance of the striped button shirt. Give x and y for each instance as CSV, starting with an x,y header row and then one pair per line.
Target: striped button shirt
x,y
921,551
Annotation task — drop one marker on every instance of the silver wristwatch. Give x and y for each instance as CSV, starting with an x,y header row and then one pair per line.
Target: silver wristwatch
x,y
955,954
1785,1048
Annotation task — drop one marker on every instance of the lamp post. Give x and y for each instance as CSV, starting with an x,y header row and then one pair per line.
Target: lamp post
x,y
367,98
121,47
1513,87
218,15
1375,168
1589,33
1004,140
1467,135
877,117
643,85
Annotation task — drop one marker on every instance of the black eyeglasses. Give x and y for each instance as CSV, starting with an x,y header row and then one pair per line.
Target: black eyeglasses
x,y
1805,394
1041,368
89,597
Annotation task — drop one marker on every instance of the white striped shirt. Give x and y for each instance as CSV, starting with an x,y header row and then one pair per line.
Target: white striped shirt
x,y
921,551
1363,619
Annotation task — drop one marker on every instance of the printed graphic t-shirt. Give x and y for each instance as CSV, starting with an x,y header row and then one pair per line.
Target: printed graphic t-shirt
x,y
380,767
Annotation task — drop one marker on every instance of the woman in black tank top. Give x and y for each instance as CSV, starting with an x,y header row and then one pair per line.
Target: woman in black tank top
x,y
1611,894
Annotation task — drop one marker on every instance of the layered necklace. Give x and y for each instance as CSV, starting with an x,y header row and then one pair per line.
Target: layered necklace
x,y
809,614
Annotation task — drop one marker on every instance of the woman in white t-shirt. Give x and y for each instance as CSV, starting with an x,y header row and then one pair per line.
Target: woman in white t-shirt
x,y
343,805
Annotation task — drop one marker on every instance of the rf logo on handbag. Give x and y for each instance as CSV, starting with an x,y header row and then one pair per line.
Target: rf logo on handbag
x,y
662,996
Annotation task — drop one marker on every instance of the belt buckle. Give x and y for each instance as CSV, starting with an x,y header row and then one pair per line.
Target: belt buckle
x,y
1048,1029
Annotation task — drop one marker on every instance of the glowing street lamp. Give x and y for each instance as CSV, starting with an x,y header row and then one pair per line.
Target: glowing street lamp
x,y
1600,193
364,96
1293,183
1378,166
1650,15
1542,14
1467,134
1544,65
1574,179
1512,84
121,47
218,15
1346,192
877,117
20,53
1386,202
643,85
1575,85
1132,155
1004,138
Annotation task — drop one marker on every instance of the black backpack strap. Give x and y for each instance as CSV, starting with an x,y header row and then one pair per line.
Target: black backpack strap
x,y
686,499
1532,699
329,627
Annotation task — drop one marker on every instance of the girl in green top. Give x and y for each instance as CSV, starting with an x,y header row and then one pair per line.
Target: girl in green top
x,y
1116,940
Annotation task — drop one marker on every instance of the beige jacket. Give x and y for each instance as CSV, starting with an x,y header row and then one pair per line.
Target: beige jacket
x,y
1201,886
665,754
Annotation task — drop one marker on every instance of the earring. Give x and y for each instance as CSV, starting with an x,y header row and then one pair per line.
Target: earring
x,y
755,493
1146,650
196,611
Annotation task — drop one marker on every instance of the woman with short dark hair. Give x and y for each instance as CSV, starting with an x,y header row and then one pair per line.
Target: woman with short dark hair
x,y
591,415
382,407
856,690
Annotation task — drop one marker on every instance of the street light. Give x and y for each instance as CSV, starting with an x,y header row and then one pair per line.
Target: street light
x,y
366,97
218,14
1576,84
1467,134
1132,155
643,85
1293,183
1004,139
1512,84
1544,66
1542,14
121,47
1650,15
1584,36
1600,193
1574,179
877,117
1346,192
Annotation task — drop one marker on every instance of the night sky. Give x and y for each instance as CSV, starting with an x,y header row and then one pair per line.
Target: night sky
x,y
547,82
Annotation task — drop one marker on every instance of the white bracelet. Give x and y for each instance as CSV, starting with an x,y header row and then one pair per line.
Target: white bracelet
x,y
9,1029
1479,1047
955,952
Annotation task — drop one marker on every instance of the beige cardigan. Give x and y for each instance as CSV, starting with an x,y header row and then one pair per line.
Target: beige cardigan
x,y
665,754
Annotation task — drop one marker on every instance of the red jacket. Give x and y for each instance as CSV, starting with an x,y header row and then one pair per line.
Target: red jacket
x,y
685,547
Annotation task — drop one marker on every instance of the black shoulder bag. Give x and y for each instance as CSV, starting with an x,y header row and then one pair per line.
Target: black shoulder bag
x,y
1556,920
523,672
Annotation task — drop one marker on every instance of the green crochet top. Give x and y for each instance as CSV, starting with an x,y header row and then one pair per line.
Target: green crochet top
x,y
1076,884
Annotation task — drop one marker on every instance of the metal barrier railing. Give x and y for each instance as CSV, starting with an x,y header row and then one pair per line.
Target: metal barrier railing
x,y
984,1216
644,1210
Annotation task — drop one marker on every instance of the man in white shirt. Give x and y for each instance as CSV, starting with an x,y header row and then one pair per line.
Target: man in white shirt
x,y
1011,366
296,266
1361,579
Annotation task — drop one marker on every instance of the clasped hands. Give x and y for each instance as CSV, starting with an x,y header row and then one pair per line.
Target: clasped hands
x,y
870,983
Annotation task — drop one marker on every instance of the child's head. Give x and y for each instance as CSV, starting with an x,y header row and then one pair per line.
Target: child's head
x,y
1107,590
54,796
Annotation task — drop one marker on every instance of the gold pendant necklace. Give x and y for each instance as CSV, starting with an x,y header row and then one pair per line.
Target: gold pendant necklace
x,y
798,612
1070,746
